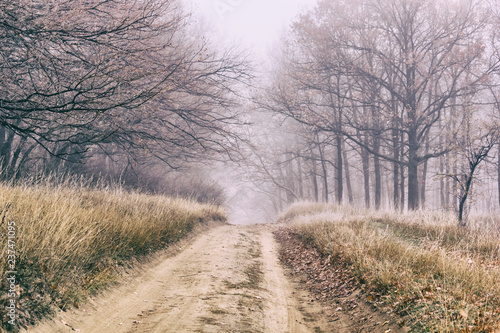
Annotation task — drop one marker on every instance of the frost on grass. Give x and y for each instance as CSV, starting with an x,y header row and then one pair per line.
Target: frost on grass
x,y
436,275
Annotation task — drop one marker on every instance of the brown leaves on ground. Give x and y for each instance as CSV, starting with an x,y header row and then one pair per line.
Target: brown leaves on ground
x,y
323,278
331,280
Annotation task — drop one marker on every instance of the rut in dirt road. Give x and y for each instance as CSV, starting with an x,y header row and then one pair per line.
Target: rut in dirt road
x,y
227,280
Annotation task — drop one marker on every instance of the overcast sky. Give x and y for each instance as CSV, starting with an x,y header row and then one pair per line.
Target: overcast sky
x,y
256,23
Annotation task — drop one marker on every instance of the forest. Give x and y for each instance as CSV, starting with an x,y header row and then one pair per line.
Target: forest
x,y
367,143
386,104
382,104
117,90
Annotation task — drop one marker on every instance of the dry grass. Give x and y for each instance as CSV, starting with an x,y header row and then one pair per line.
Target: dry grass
x,y
443,278
72,240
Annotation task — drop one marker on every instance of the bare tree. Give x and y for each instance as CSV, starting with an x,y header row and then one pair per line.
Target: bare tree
x,y
477,140
405,61
111,75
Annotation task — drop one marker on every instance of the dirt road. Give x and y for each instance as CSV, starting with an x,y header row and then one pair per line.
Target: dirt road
x,y
227,280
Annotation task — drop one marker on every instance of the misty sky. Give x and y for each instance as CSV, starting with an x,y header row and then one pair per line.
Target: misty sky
x,y
255,23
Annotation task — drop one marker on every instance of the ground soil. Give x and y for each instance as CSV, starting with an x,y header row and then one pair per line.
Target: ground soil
x,y
227,279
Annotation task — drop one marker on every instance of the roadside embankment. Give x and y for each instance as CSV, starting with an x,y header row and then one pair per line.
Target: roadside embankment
x,y
436,276
62,243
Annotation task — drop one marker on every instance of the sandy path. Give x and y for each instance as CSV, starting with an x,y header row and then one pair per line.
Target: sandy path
x,y
282,313
227,280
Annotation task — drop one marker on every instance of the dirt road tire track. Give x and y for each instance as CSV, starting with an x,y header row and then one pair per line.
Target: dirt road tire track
x,y
282,313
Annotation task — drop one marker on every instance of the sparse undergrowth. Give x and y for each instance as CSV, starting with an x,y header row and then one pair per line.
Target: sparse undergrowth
x,y
438,276
71,240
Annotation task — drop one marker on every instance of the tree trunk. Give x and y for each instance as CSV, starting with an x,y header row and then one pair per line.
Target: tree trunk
x,y
413,200
413,195
300,179
13,163
26,154
340,176
455,198
447,187
6,154
402,187
378,176
347,175
315,180
325,174
466,191
453,115
423,185
441,183
395,166
56,162
461,204
366,173
289,180
280,188
424,176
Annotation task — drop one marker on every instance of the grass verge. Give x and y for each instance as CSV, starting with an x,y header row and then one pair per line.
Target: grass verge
x,y
71,241
440,277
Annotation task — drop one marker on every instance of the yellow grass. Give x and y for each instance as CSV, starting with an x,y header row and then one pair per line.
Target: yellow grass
x,y
441,277
70,240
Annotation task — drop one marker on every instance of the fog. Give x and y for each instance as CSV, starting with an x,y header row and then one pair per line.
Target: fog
x,y
382,104
370,127
254,24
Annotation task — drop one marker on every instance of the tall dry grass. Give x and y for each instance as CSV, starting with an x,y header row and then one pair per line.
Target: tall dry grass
x,y
441,277
71,240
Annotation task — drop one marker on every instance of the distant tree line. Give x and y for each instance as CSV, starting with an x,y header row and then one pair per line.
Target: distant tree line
x,y
377,97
